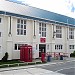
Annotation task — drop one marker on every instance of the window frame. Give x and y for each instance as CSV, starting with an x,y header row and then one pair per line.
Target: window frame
x,y
58,47
58,31
16,47
71,33
21,26
71,47
42,29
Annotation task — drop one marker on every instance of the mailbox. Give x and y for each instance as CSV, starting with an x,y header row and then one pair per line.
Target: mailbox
x,y
26,53
43,57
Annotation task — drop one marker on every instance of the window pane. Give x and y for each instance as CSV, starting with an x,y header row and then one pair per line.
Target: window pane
x,y
19,46
21,21
40,33
15,46
24,21
18,21
73,47
61,46
18,25
0,34
18,31
55,47
43,29
24,26
40,24
24,32
0,20
21,32
21,26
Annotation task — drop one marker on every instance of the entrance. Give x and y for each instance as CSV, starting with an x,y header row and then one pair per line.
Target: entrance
x,y
42,48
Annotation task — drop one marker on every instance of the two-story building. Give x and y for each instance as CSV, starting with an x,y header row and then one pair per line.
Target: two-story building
x,y
45,31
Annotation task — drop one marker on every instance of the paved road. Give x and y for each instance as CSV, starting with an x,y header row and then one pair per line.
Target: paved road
x,y
67,68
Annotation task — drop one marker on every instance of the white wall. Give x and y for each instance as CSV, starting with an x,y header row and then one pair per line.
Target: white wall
x,y
9,42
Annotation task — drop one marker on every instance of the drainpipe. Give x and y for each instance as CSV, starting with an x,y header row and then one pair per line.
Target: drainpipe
x,y
9,34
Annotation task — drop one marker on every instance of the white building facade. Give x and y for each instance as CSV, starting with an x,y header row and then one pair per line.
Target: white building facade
x,y
44,35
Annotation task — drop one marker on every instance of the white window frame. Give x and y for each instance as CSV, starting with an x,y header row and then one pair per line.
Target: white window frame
x,y
21,27
71,33
58,47
17,46
58,31
42,29
71,46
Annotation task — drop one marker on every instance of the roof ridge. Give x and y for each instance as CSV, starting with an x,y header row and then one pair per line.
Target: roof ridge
x,y
18,2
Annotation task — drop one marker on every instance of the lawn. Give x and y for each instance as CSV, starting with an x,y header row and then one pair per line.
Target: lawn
x,y
14,63
10,62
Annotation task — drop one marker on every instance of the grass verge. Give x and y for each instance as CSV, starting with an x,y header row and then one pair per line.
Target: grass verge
x,y
18,63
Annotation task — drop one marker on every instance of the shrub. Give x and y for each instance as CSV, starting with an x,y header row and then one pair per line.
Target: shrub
x,y
72,54
5,58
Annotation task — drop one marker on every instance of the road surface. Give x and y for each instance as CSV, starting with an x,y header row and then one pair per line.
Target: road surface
x,y
67,68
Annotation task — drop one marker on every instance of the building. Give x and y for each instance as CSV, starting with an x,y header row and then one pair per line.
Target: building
x,y
43,30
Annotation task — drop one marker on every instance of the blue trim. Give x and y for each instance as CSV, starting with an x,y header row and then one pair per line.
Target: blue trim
x,y
28,17
2,12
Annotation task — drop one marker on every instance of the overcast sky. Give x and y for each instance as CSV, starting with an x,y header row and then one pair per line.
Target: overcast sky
x,y
64,7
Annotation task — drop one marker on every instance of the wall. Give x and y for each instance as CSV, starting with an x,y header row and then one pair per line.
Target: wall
x,y
8,42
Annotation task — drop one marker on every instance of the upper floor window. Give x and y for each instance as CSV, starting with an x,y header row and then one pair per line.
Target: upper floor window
x,y
21,27
0,20
71,33
42,29
58,32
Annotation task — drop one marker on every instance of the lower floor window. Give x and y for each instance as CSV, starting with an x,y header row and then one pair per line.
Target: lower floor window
x,y
71,46
58,47
17,46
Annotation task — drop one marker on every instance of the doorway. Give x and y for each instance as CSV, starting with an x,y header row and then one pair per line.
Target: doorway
x,y
42,48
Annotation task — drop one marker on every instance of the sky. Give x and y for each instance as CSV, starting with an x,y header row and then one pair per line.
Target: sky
x,y
64,7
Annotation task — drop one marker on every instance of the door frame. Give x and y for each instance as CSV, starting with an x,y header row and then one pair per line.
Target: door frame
x,y
41,47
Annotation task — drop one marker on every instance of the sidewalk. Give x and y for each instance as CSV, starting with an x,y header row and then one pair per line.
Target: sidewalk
x,y
31,70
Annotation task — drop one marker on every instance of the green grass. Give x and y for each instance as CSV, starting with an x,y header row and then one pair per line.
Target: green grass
x,y
10,62
14,63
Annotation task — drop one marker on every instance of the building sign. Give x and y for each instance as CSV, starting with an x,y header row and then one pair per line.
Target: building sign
x,y
42,40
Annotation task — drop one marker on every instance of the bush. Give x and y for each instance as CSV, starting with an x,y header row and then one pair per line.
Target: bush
x,y
5,58
72,54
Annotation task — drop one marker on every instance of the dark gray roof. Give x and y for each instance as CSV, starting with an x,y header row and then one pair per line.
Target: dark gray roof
x,y
33,12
